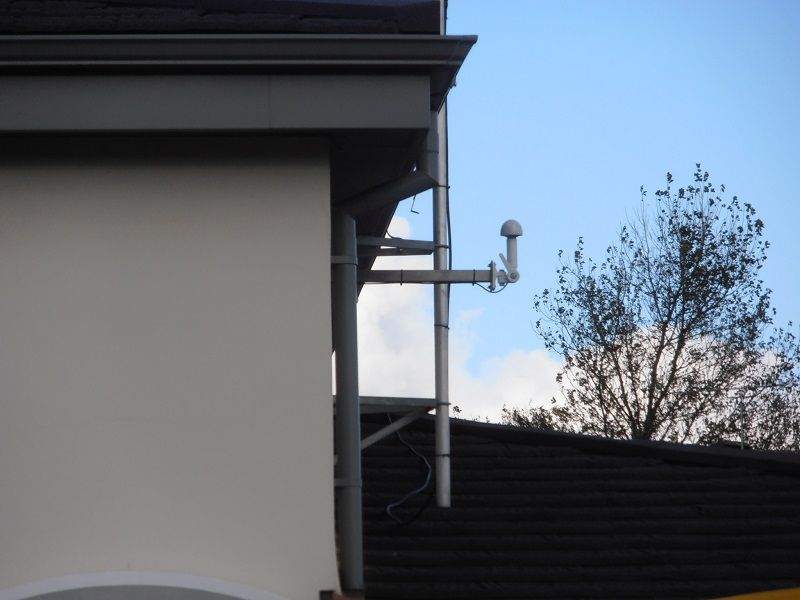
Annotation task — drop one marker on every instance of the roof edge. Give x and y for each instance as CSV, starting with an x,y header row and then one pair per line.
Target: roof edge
x,y
762,460
438,56
309,50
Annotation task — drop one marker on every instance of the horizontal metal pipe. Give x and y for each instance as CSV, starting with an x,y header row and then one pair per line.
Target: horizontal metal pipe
x,y
383,242
393,252
391,404
425,276
384,404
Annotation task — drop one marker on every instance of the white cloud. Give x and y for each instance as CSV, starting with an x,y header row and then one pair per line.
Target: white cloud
x,y
396,350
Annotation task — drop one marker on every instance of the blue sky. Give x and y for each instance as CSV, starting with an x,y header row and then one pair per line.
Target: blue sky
x,y
563,109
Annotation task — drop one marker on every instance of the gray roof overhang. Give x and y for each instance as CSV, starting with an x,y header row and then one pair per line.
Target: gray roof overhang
x,y
437,57
371,96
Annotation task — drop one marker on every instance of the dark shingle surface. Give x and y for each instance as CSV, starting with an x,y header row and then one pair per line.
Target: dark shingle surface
x,y
219,16
542,515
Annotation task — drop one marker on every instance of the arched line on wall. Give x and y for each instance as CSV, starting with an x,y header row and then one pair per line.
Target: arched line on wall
x,y
135,585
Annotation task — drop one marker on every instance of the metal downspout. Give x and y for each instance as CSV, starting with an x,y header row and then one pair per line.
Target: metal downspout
x,y
344,298
347,434
441,304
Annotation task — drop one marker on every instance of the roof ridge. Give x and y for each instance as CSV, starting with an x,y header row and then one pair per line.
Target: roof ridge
x,y
785,462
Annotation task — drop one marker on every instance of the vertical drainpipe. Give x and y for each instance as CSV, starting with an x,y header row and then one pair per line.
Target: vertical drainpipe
x,y
441,304
347,434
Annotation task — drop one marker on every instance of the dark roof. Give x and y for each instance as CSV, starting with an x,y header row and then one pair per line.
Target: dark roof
x,y
547,515
219,16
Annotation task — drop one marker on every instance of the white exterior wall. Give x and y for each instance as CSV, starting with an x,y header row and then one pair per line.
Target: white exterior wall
x,y
165,399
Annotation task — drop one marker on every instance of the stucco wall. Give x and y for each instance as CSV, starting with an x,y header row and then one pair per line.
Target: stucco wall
x,y
165,362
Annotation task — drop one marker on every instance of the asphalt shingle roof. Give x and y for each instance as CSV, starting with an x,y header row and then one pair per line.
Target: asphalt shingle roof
x,y
544,515
219,16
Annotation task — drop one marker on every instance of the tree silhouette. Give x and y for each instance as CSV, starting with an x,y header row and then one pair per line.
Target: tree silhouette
x,y
671,336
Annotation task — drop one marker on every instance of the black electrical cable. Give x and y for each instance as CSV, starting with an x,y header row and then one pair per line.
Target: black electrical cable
x,y
449,233
449,240
450,252
390,508
487,290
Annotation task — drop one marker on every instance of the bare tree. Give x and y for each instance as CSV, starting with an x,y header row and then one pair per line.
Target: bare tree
x,y
670,337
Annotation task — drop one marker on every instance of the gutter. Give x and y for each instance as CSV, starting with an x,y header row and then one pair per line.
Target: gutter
x,y
439,56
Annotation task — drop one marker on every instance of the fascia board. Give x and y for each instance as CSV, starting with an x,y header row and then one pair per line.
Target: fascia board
x,y
189,102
